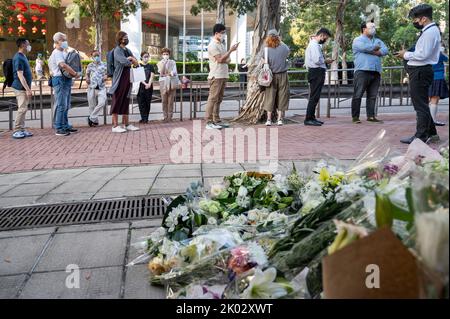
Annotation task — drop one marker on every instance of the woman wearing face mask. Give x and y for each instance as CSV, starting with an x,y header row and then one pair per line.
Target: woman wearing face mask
x,y
121,85
168,83
146,88
439,88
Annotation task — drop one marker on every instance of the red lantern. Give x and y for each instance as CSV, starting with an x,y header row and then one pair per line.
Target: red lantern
x,y
35,18
22,30
24,20
12,8
34,29
20,4
43,20
42,10
10,30
24,9
34,7
44,31
20,17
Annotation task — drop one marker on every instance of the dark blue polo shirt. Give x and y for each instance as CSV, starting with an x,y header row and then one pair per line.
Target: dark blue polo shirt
x,y
20,63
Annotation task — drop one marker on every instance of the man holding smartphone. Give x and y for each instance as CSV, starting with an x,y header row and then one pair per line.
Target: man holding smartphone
x,y
219,58
419,67
317,66
367,51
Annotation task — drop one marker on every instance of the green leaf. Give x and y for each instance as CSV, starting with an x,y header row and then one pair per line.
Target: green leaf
x,y
383,211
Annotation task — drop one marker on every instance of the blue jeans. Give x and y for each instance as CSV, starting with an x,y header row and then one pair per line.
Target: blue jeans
x,y
62,87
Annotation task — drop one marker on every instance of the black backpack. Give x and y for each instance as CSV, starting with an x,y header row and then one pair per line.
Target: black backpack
x,y
8,72
110,63
73,60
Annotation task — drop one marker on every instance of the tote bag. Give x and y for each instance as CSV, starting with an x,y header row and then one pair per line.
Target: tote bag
x,y
137,75
265,76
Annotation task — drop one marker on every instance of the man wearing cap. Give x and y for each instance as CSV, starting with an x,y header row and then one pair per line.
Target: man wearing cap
x,y
420,60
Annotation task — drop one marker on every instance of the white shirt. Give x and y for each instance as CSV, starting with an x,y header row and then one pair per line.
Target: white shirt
x,y
314,56
55,59
428,47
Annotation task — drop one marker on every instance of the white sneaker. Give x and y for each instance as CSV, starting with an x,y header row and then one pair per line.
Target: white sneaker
x,y
118,129
212,126
269,123
131,127
280,123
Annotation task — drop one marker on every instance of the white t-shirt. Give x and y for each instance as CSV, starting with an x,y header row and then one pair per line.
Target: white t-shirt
x,y
217,70
55,59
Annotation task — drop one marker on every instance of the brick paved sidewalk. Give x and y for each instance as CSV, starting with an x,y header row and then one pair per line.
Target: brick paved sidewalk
x,y
152,145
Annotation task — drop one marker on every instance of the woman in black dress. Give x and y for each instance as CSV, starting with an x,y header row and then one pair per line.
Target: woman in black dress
x,y
145,93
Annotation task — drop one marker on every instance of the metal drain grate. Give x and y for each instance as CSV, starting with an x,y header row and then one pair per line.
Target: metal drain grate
x,y
81,213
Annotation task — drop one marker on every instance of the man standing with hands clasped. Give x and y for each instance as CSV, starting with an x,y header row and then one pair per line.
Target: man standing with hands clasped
x,y
367,50
419,67
317,67
219,58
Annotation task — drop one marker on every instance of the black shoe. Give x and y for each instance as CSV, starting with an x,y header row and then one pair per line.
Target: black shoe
x,y
374,120
91,124
356,120
408,140
72,130
312,123
62,133
320,122
439,124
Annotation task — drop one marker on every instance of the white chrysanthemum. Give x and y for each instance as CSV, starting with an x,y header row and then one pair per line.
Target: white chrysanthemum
x,y
216,190
158,234
242,191
236,220
212,221
237,182
243,202
257,254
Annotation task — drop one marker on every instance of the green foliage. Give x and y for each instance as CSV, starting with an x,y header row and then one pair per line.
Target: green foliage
x,y
240,7
5,12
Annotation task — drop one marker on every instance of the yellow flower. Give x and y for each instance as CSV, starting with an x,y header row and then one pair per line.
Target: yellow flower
x,y
156,266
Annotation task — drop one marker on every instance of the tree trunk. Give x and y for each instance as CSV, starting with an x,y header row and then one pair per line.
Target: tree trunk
x,y
338,39
267,18
98,25
220,15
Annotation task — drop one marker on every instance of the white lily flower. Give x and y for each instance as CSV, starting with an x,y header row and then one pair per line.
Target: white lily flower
x,y
262,286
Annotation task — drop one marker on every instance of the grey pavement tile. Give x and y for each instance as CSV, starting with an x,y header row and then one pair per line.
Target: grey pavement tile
x,y
138,235
91,249
220,172
5,188
225,166
18,201
147,223
79,186
92,227
99,283
182,166
117,195
137,285
18,254
56,176
176,173
128,185
30,190
26,232
52,198
165,186
139,172
98,173
10,285
18,178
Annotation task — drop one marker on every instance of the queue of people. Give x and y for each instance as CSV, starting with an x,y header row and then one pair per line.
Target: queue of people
x,y
424,64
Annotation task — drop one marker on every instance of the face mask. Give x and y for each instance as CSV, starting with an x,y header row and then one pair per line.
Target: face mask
x,y
29,48
145,60
65,45
126,41
165,57
97,59
417,25
322,41
372,31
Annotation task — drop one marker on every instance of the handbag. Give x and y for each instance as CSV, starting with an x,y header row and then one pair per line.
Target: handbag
x,y
265,75
137,75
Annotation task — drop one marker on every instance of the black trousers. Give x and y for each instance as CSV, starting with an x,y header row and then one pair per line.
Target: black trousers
x,y
420,79
365,81
144,98
316,79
